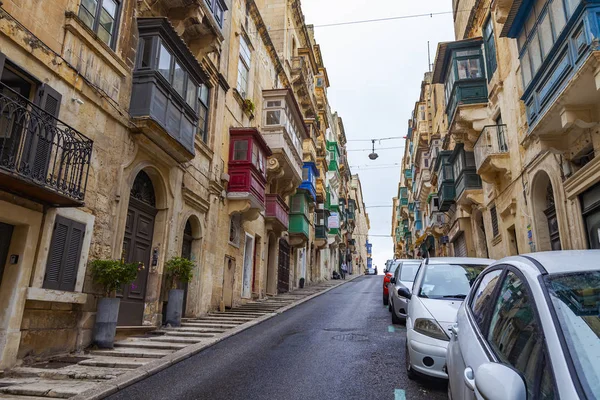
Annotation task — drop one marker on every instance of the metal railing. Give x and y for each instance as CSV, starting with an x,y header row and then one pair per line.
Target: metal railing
x,y
492,140
40,148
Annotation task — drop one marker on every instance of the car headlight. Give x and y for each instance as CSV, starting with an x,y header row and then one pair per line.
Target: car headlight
x,y
431,328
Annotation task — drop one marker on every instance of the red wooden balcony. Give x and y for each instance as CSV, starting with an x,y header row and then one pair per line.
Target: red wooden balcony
x,y
277,212
247,166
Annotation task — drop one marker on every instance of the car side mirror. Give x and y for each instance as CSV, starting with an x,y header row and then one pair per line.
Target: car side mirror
x,y
393,280
494,381
404,292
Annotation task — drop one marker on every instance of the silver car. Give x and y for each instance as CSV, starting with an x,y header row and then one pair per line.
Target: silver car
x,y
439,289
529,329
404,277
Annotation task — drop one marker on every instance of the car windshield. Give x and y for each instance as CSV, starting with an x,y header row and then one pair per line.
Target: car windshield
x,y
409,271
449,281
576,300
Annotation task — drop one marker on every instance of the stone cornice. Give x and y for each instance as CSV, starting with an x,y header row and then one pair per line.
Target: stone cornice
x,y
583,179
195,201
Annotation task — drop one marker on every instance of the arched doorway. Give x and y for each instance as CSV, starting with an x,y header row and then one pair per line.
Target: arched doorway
x,y
137,247
545,218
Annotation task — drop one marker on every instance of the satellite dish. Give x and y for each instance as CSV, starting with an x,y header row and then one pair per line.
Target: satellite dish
x,y
373,155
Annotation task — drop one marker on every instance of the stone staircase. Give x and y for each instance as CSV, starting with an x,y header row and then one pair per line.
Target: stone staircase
x,y
65,377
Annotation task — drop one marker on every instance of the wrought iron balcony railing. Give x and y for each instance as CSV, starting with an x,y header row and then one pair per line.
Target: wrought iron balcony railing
x,y
39,150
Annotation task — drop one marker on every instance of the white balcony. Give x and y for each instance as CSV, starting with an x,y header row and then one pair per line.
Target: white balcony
x,y
491,153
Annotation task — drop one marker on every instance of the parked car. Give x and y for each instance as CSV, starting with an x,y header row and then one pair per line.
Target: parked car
x,y
532,323
403,277
439,289
371,271
388,273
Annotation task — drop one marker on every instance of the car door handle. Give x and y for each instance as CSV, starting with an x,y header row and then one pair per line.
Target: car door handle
x,y
469,378
454,330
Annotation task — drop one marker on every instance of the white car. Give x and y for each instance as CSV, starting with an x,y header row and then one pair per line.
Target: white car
x,y
439,289
530,329
404,276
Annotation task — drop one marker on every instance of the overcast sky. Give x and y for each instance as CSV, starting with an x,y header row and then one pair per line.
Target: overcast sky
x,y
375,70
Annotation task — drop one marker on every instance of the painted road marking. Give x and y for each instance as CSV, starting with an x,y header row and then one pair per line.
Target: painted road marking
x,y
399,394
391,329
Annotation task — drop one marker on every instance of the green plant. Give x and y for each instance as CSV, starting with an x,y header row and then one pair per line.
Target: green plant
x,y
249,106
179,269
112,274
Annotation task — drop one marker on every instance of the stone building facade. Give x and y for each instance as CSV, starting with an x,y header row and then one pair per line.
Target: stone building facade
x,y
148,130
514,105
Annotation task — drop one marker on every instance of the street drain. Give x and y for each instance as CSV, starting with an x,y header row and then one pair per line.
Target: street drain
x,y
351,337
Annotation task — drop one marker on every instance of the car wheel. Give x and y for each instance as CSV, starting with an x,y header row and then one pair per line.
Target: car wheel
x,y
410,372
385,300
395,319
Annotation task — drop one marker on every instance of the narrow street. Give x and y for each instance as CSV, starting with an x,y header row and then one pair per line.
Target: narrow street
x,y
337,346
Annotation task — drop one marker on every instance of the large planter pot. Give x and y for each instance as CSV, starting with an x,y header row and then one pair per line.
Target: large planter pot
x,y
106,322
175,307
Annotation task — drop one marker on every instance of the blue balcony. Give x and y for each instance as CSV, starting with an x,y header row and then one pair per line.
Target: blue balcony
x,y
310,173
557,61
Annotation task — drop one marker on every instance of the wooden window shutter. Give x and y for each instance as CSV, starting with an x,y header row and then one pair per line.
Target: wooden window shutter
x,y
64,254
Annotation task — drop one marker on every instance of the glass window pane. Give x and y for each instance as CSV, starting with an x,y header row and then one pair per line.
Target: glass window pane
x,y
273,117
164,62
535,53
202,114
530,22
526,68
545,32
245,51
469,69
179,79
240,150
191,93
104,35
514,333
522,39
272,104
482,299
305,174
558,16
539,6
110,6
86,16
146,61
107,22
204,94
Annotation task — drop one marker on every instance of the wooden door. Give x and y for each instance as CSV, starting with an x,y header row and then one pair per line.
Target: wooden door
x,y
228,282
283,271
248,266
186,252
5,238
137,247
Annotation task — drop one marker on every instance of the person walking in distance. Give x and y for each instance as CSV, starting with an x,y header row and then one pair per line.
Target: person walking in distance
x,y
344,269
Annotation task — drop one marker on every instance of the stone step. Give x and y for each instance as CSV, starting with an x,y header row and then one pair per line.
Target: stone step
x,y
74,371
191,329
178,333
186,340
132,352
149,344
17,397
45,387
226,319
116,362
241,315
257,309
207,325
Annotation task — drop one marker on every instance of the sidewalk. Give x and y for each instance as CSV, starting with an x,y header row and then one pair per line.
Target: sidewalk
x,y
95,374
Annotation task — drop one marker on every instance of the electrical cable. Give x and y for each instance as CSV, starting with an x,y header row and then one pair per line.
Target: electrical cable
x,y
381,148
377,140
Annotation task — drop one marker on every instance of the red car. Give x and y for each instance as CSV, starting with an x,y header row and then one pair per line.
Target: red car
x,y
390,268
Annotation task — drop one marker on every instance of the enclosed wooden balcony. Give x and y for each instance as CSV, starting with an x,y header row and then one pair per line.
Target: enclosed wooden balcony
x,y
445,181
41,157
277,213
492,159
299,224
468,187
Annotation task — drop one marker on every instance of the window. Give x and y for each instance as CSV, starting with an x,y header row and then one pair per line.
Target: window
x,y
297,205
515,334
240,150
490,48
305,174
174,73
203,98
494,214
64,255
482,298
101,17
542,28
235,226
218,9
243,67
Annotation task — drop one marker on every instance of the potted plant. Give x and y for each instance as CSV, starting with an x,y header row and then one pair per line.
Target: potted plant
x,y
111,275
249,108
179,270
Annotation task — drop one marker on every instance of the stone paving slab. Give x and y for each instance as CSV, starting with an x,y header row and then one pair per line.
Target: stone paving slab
x,y
131,352
116,362
142,343
74,371
48,387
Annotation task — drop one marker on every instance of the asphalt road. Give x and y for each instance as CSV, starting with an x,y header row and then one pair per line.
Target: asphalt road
x,y
340,345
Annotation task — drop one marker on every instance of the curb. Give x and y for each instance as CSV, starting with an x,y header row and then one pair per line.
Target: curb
x,y
104,390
